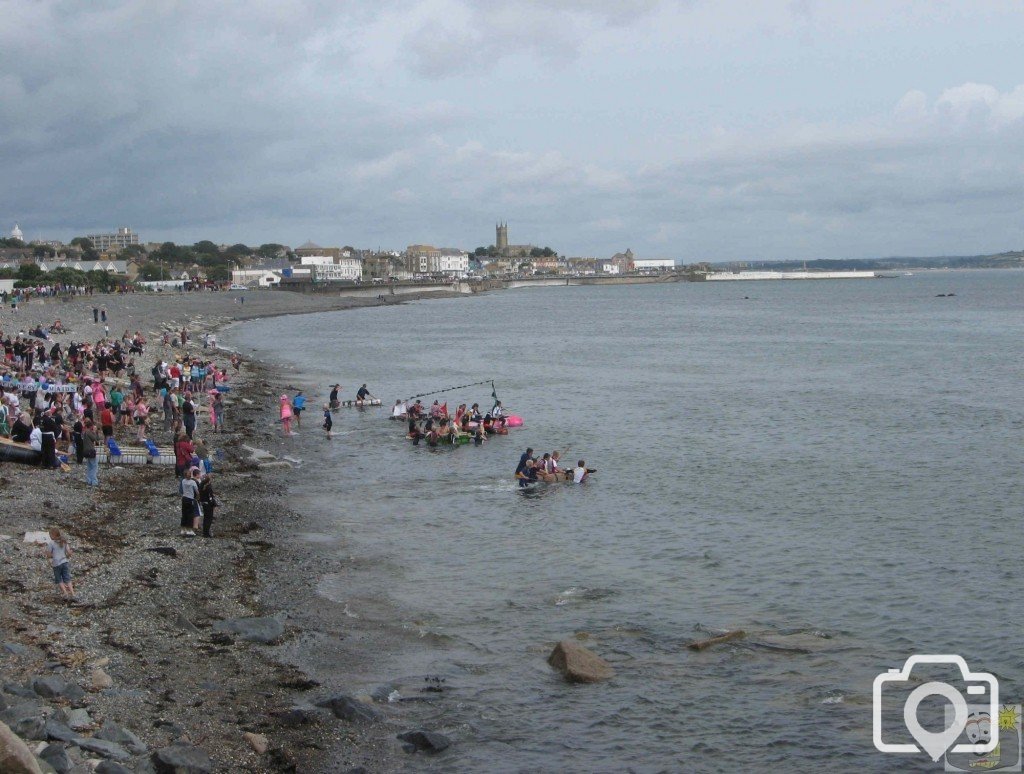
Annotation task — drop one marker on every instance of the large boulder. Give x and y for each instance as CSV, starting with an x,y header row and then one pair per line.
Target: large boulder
x,y
579,665
15,757
263,630
350,709
180,758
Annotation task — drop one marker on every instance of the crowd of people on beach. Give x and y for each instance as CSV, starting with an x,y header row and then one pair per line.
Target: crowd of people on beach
x,y
74,402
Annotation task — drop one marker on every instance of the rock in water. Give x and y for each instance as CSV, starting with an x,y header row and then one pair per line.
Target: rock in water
x,y
15,757
430,741
579,665
262,630
347,708
180,758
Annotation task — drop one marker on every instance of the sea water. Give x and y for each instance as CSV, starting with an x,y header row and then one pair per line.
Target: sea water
x,y
832,466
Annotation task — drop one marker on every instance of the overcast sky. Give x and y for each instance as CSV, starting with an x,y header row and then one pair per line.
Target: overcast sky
x,y
702,129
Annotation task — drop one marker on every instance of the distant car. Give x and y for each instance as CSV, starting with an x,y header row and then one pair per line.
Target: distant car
x,y
238,287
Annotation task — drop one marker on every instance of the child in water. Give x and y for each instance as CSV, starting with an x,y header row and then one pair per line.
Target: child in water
x,y
328,421
59,551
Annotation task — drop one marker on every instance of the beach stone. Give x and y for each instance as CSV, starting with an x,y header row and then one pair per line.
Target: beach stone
x,y
55,687
579,665
100,680
112,767
102,747
262,630
45,767
184,624
79,720
173,730
13,689
112,732
101,662
258,742
350,709
55,729
166,550
25,720
299,715
428,741
16,649
57,757
15,757
180,758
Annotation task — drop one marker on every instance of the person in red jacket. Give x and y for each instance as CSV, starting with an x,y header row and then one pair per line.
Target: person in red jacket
x,y
183,451
107,421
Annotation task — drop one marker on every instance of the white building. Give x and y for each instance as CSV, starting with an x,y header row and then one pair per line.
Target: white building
x,y
424,259
349,269
654,264
124,237
16,233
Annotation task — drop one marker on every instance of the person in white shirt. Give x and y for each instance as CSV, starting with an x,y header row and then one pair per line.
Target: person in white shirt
x,y
580,472
399,411
35,439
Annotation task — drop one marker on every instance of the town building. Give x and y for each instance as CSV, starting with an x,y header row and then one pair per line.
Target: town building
x,y
344,270
427,259
16,233
311,249
117,241
506,250
654,264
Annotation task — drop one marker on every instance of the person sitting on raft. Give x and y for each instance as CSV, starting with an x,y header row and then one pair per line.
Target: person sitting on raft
x,y
580,472
474,414
436,410
398,411
528,475
415,411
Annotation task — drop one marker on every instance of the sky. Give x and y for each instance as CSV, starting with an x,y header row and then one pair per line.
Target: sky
x,y
689,129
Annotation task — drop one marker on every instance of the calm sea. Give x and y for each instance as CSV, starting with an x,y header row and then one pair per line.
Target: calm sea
x,y
832,466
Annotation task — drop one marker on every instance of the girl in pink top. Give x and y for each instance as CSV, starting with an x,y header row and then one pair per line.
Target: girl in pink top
x,y
286,415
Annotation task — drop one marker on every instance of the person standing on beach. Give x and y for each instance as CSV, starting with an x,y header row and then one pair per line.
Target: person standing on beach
x,y
298,404
286,415
103,314
217,407
58,551
189,503
95,315
92,464
207,502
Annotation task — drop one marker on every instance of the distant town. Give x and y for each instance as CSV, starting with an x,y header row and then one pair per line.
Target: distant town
x,y
122,257
106,261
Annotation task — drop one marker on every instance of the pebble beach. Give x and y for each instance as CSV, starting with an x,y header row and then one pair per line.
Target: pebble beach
x,y
171,657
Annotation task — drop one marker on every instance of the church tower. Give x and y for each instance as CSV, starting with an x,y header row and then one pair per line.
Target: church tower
x,y
501,236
